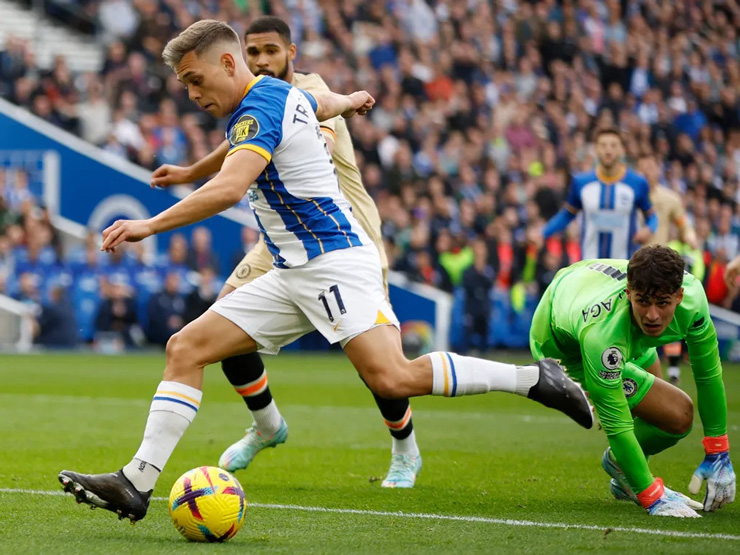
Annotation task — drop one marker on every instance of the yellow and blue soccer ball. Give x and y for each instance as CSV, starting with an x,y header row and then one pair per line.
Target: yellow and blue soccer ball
x,y
207,504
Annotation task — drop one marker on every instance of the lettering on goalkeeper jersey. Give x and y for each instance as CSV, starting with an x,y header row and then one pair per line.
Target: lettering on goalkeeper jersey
x,y
595,310
610,271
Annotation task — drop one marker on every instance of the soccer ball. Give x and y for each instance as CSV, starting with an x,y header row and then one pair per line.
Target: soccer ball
x,y
207,504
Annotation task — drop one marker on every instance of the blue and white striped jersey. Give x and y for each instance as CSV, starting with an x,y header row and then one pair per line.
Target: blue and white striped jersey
x,y
296,200
609,212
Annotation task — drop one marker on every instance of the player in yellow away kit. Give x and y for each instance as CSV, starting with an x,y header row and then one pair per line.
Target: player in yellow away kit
x,y
270,51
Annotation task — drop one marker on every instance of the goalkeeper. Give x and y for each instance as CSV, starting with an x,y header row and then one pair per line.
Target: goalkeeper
x,y
603,319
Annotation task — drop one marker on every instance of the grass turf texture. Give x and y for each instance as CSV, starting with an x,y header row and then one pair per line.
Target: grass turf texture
x,y
495,456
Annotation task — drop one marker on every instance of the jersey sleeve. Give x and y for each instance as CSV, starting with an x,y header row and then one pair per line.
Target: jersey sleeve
x,y
257,127
311,100
678,214
313,83
706,367
643,198
603,364
574,195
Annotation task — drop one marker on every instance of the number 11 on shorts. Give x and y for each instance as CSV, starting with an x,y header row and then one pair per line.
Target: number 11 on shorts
x,y
338,296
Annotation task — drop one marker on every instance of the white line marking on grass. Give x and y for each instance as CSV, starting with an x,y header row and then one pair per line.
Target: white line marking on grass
x,y
431,516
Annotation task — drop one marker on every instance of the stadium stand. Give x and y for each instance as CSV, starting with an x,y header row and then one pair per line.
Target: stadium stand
x,y
484,111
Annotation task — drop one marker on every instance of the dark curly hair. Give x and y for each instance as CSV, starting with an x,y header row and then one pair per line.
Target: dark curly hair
x,y
269,24
655,270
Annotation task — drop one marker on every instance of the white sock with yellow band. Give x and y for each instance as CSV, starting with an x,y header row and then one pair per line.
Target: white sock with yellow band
x,y
454,375
173,408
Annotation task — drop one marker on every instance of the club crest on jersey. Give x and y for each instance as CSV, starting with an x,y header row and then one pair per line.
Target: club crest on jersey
x,y
630,387
611,358
245,128
243,270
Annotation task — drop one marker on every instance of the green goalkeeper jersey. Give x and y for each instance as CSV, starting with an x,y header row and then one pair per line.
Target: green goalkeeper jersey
x,y
585,320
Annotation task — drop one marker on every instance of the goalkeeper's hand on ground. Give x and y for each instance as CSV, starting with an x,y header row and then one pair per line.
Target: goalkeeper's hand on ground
x,y
716,469
658,500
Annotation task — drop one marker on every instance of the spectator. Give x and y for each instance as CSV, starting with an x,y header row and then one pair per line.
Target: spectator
x,y
55,326
117,313
201,254
202,297
166,311
477,282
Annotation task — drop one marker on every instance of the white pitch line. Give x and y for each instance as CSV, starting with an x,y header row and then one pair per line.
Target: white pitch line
x,y
431,516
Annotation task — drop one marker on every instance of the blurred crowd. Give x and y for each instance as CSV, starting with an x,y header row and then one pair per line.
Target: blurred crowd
x,y
484,111
81,295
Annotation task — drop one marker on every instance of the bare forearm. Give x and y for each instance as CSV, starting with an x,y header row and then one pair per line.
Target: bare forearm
x,y
211,199
210,164
688,235
331,104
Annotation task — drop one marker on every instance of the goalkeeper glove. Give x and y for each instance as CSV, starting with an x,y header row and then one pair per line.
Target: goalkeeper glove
x,y
716,469
658,500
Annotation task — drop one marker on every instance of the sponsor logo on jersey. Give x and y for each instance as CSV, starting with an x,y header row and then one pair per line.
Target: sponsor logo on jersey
x,y
612,358
609,375
630,387
245,128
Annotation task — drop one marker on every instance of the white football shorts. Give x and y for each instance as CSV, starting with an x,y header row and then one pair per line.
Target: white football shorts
x,y
339,293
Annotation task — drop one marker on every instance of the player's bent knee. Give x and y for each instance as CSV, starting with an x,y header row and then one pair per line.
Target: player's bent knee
x,y
386,381
387,388
177,347
681,418
685,417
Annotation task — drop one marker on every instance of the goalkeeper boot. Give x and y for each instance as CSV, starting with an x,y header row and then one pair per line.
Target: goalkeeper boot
x,y
618,485
617,491
113,492
556,390
240,454
403,471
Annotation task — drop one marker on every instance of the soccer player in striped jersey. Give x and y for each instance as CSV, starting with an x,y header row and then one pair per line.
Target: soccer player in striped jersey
x,y
326,275
271,51
609,198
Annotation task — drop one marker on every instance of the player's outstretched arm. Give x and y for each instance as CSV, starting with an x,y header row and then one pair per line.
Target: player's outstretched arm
x,y
223,191
169,174
346,105
706,367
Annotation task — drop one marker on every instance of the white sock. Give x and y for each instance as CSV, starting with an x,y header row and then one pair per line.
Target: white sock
x,y
454,375
141,474
674,372
268,419
173,409
405,446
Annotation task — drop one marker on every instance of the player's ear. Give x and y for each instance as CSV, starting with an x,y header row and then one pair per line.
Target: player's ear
x,y
627,290
228,63
679,295
292,51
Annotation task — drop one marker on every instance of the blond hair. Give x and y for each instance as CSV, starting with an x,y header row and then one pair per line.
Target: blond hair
x,y
198,38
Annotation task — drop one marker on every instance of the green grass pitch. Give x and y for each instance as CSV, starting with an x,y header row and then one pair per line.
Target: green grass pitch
x,y
511,473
